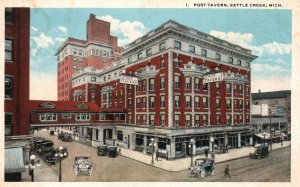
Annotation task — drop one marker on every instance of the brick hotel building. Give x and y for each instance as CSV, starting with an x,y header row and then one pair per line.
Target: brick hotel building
x,y
189,85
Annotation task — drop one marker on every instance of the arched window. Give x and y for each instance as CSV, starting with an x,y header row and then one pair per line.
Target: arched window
x,y
119,135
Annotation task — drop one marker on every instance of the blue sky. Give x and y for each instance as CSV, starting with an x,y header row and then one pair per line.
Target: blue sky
x,y
266,32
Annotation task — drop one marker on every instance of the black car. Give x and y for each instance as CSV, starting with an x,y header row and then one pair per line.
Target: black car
x,y
112,151
66,138
260,152
102,150
60,136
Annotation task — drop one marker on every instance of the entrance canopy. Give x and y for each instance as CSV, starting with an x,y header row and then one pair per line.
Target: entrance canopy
x,y
14,160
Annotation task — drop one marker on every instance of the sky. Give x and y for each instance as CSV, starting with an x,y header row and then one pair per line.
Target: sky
x,y
266,32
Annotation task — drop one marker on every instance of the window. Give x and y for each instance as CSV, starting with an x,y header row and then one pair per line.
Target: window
x,y
241,118
8,49
228,103
129,59
8,87
218,119
151,119
144,85
205,119
176,82
197,83
75,51
205,86
188,101
48,117
162,63
218,103
162,119
119,135
176,119
144,119
162,46
235,104
177,44
197,119
162,101
151,102
192,49
138,103
235,119
129,118
93,79
228,119
230,60
188,120
241,89
138,119
239,62
140,56
228,88
205,102
80,52
217,86
162,82
148,52
187,83
151,84
8,15
8,124
177,101
177,62
218,56
82,117
197,102
241,104
203,52
66,116
235,88
144,102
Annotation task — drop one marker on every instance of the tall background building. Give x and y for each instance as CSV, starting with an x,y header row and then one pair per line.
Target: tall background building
x,y
98,51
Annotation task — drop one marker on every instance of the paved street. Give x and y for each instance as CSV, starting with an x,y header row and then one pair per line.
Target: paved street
x,y
105,169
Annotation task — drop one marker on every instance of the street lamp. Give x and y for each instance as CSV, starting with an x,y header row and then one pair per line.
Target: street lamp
x,y
212,139
264,134
32,165
191,146
60,154
152,144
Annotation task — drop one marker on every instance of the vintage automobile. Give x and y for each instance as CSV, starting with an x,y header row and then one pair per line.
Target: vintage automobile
x,y
260,152
51,132
102,150
66,138
112,151
203,167
60,135
46,147
82,165
50,158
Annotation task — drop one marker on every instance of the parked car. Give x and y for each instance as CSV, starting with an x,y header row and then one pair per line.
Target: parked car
x,y
203,167
82,165
112,151
50,158
46,147
51,132
66,138
260,152
102,150
60,135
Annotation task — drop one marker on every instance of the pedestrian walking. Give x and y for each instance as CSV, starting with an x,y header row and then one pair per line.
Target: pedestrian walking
x,y
119,150
227,171
167,156
156,158
212,155
206,152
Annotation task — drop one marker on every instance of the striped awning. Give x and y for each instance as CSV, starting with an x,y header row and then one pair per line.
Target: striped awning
x,y
14,160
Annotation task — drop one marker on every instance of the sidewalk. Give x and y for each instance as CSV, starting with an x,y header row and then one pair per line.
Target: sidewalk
x,y
183,163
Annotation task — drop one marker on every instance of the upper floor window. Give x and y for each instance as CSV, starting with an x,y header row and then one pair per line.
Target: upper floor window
x,y
144,85
205,102
162,63
176,82
228,88
230,60
177,62
177,101
129,59
192,49
177,44
162,82
48,117
218,103
82,117
93,79
162,101
197,83
8,15
151,102
75,51
228,103
217,86
151,84
188,101
80,52
239,62
188,120
247,64
140,56
197,102
218,56
187,83
162,46
8,124
149,52
8,87
203,52
8,49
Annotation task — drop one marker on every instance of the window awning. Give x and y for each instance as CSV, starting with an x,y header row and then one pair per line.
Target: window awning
x,y
14,160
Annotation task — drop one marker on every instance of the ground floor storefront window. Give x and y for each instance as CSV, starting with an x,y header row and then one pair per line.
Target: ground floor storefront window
x,y
232,141
139,142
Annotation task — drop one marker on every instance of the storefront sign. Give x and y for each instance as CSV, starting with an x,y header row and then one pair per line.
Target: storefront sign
x,y
128,80
215,77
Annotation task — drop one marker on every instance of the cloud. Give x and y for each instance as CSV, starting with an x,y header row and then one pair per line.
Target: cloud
x,y
63,29
45,91
59,39
43,41
33,51
272,68
246,39
34,29
129,30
